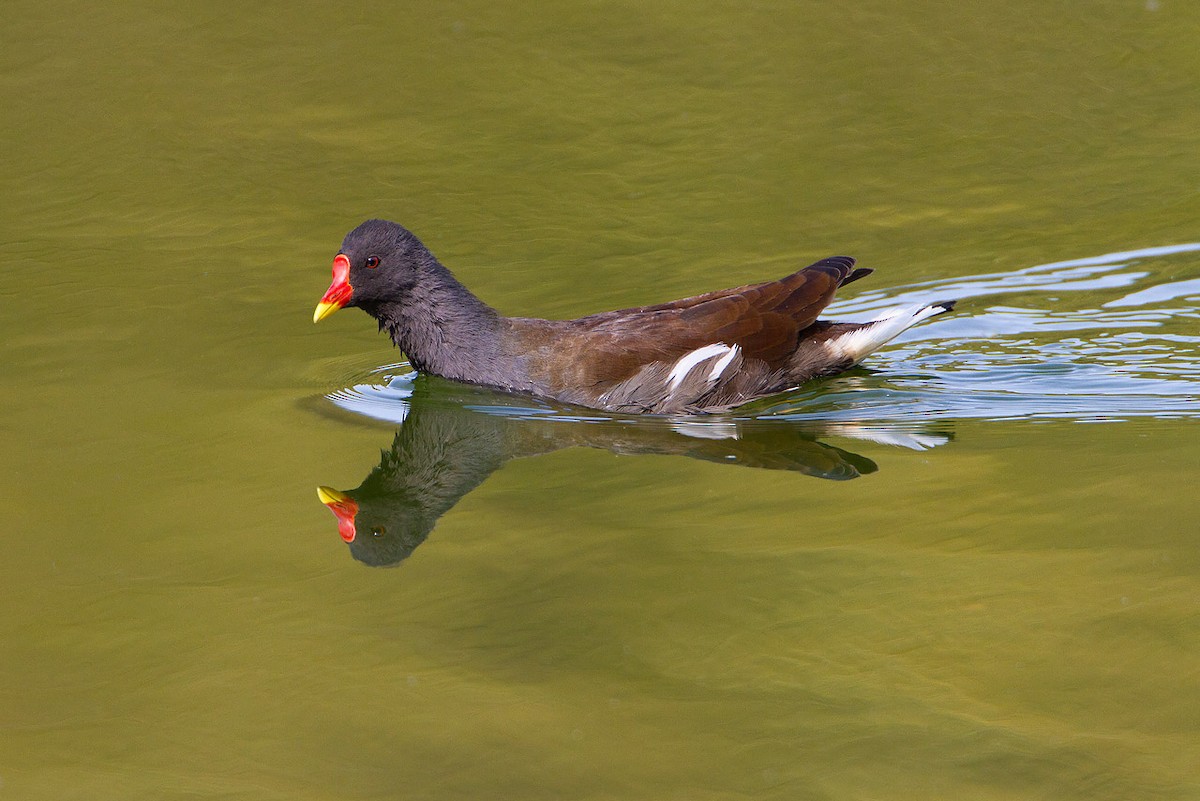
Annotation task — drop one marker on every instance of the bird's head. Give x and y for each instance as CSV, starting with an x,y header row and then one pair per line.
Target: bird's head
x,y
377,263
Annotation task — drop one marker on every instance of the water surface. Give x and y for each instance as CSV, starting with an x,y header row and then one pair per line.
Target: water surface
x,y
966,569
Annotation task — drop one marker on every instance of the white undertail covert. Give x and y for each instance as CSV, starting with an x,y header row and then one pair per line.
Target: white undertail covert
x,y
877,333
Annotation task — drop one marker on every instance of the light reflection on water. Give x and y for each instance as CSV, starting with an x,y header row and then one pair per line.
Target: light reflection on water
x,y
1089,339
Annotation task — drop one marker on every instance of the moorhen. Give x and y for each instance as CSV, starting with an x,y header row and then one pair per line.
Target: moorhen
x,y
702,354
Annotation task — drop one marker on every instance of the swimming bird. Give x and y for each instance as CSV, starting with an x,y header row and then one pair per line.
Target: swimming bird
x,y
706,353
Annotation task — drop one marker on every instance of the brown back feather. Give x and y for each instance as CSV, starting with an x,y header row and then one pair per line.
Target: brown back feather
x,y
765,320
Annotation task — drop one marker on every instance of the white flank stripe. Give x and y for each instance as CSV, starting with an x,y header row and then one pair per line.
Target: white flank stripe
x,y
723,363
688,361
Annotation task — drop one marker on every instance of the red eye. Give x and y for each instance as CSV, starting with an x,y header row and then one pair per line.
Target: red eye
x,y
372,262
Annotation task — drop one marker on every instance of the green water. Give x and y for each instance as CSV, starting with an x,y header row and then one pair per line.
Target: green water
x,y
997,600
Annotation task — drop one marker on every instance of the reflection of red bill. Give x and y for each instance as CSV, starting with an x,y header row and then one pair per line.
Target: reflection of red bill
x,y
343,507
339,292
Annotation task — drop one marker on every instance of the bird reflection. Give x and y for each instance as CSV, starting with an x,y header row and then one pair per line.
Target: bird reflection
x,y
445,448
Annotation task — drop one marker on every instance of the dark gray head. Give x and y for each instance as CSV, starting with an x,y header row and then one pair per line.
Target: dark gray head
x,y
441,327
379,262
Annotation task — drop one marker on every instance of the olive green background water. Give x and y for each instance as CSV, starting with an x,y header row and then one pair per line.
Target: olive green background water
x,y
1011,614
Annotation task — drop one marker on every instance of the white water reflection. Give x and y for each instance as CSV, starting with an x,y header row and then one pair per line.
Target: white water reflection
x,y
1160,294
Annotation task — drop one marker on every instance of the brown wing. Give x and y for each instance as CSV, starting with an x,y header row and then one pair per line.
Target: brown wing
x,y
764,320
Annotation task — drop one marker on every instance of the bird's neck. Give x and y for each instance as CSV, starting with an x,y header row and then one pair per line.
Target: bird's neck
x,y
442,327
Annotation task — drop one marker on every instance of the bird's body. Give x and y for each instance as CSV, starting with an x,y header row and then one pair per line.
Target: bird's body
x,y
705,353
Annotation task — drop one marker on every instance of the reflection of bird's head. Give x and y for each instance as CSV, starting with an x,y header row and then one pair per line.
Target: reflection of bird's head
x,y
380,529
438,456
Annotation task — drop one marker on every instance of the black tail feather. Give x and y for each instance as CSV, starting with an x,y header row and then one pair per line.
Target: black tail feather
x,y
861,272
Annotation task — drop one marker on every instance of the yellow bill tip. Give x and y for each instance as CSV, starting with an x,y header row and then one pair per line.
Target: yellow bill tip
x,y
328,495
323,310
